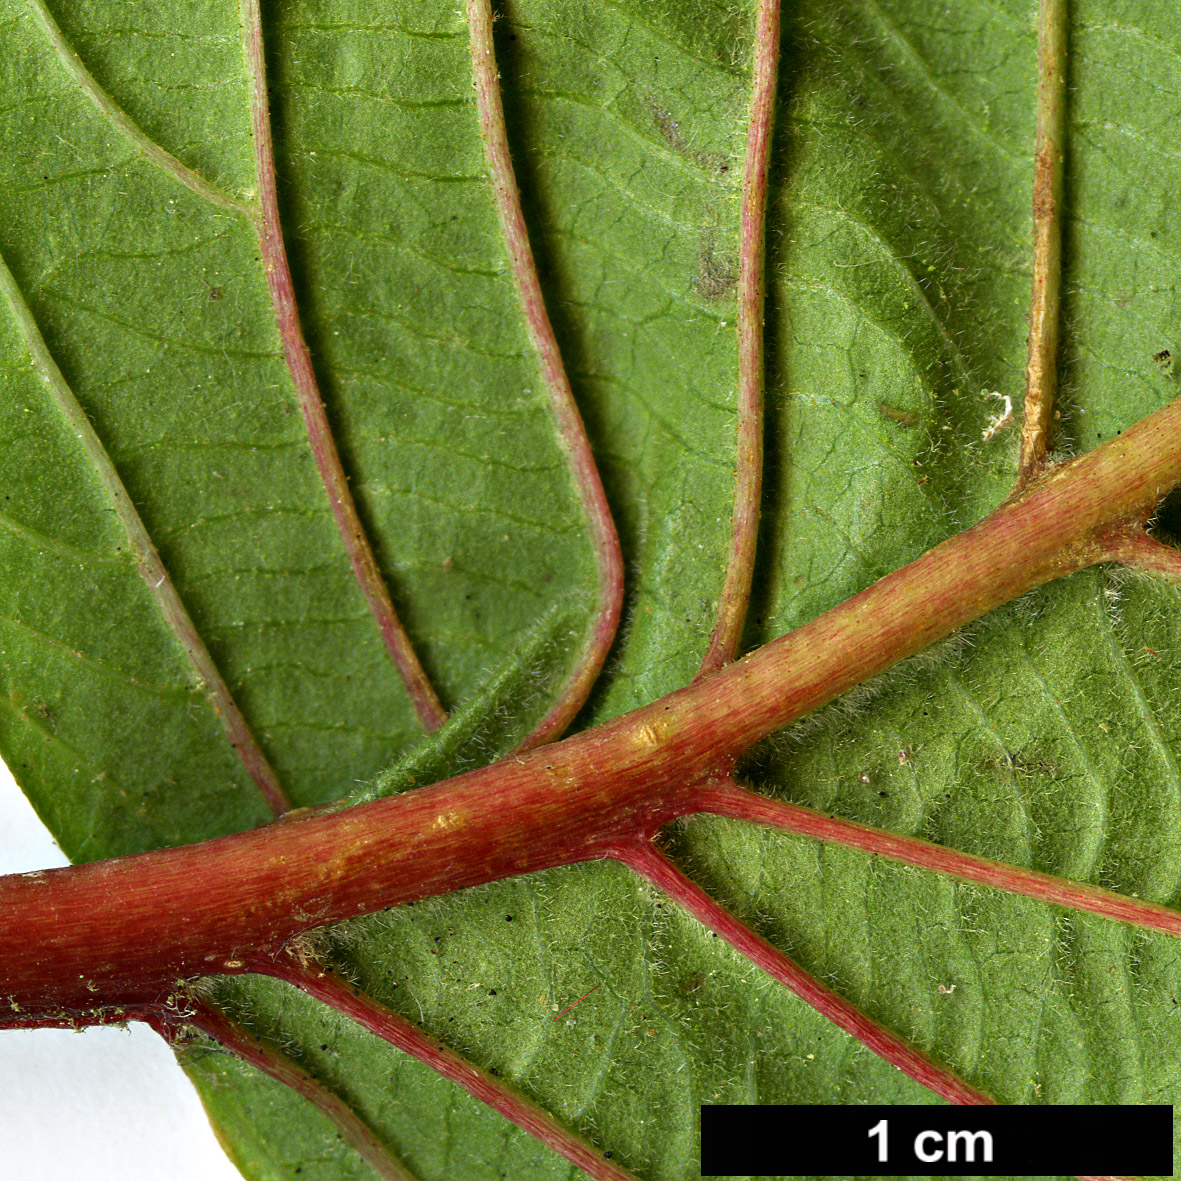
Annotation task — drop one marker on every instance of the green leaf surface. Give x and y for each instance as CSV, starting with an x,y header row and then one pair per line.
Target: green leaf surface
x,y
1049,735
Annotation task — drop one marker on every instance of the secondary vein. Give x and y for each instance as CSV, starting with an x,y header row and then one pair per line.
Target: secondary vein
x,y
125,125
143,552
571,432
299,363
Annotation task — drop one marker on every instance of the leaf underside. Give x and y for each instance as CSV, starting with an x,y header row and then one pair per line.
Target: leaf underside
x,y
1047,736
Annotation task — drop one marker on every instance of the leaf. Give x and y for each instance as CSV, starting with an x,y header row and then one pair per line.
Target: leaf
x,y
1048,735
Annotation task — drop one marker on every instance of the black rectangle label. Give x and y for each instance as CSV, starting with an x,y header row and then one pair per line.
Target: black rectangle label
x,y
881,1141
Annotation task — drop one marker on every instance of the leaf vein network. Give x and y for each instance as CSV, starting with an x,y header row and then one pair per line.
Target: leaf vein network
x,y
63,548
384,96
56,741
925,71
156,336
451,339
893,260
102,667
399,245
641,136
378,164
547,526
1157,43
1029,827
376,27
633,17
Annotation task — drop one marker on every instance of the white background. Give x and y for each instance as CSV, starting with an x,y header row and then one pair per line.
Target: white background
x,y
100,1105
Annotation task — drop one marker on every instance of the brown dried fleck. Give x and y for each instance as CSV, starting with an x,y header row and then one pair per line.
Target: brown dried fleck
x,y
901,417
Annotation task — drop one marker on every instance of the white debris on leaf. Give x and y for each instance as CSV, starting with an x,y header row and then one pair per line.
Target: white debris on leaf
x,y
998,422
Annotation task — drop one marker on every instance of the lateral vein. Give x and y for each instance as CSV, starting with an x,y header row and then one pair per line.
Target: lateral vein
x,y
125,125
143,552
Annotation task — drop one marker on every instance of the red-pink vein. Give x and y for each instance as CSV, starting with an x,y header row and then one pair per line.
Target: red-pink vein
x,y
1041,372
527,1115
1145,553
143,553
738,803
571,432
661,872
356,1133
299,362
744,528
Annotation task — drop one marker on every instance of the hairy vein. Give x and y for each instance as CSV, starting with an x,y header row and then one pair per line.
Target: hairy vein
x,y
253,1050
480,1084
739,803
124,125
571,432
646,861
744,526
1145,553
143,553
1041,370
324,450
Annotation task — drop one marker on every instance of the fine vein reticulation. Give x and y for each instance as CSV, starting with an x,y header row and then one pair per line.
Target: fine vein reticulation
x,y
263,216
270,239
571,432
735,597
674,783
113,947
480,1084
126,126
144,554
873,1034
210,1020
744,528
725,798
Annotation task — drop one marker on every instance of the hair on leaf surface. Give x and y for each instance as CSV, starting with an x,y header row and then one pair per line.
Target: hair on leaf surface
x,y
1040,736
